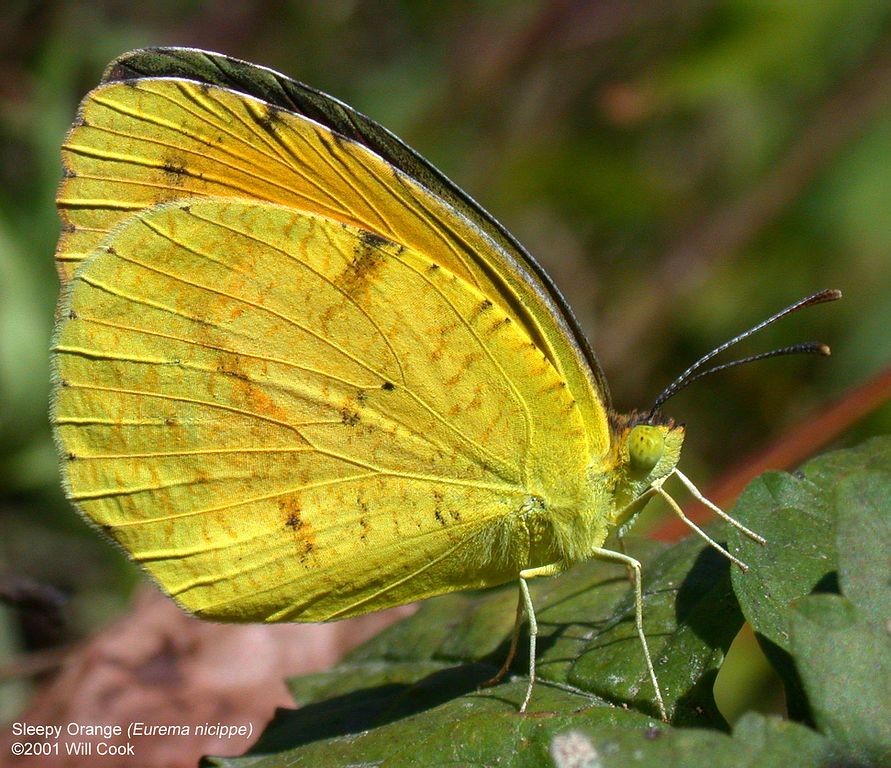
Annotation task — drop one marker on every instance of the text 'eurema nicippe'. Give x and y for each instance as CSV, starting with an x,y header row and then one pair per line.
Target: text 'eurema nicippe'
x,y
299,375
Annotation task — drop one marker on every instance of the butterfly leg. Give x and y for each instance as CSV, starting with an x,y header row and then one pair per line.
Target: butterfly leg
x,y
620,545
716,509
625,519
688,522
633,567
514,642
530,573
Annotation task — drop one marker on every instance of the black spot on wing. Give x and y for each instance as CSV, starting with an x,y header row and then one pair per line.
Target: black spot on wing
x,y
437,508
293,521
174,171
374,240
348,417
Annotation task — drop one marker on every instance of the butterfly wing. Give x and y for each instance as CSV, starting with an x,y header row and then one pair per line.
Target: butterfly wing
x,y
141,142
281,415
288,94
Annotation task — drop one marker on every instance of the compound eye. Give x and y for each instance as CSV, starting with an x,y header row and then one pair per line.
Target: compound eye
x,y
645,447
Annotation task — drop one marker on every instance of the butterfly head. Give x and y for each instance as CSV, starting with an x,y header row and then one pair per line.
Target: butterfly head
x,y
647,445
647,448
650,445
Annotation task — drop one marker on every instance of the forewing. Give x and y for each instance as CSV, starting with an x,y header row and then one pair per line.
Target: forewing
x,y
141,142
283,416
282,91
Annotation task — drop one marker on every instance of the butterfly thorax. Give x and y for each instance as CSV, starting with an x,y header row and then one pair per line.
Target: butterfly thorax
x,y
640,454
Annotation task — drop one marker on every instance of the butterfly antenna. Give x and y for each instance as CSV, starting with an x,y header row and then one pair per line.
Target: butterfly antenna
x,y
696,371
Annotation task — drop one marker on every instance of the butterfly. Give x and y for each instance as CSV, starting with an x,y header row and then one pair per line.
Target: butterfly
x,y
299,375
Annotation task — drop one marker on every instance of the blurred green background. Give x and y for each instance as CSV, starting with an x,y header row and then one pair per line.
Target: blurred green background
x,y
682,168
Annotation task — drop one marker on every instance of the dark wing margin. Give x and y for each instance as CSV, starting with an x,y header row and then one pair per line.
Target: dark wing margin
x,y
286,93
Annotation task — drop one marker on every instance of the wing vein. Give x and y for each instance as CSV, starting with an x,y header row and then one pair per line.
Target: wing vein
x,y
518,398
178,399
209,347
247,302
384,338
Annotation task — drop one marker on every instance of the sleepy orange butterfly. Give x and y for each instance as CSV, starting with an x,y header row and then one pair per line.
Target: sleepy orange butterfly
x,y
299,375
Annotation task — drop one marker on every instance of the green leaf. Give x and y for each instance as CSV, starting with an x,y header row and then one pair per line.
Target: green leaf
x,y
863,539
828,470
845,665
829,531
797,521
770,741
797,514
842,645
455,734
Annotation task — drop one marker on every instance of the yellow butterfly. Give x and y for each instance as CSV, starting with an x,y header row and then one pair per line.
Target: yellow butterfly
x,y
299,375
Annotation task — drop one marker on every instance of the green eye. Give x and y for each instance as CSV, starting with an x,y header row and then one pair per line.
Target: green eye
x,y
645,448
